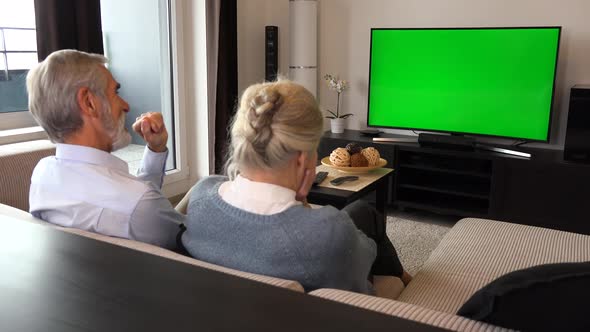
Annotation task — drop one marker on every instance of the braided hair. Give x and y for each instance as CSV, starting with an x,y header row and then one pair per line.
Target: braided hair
x,y
274,121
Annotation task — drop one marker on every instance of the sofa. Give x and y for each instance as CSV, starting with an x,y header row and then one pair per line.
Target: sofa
x,y
17,161
471,255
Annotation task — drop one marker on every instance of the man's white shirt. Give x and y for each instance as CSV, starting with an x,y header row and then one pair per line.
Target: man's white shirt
x,y
91,189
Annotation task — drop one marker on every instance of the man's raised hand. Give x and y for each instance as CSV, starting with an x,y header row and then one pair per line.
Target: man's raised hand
x,y
150,126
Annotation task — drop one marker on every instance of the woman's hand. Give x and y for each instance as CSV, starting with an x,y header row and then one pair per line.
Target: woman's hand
x,y
305,186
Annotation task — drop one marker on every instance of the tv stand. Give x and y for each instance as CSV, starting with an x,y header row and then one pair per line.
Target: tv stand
x,y
457,142
542,190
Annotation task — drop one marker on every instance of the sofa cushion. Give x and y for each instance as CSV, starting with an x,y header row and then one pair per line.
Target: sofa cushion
x,y
477,251
548,297
388,287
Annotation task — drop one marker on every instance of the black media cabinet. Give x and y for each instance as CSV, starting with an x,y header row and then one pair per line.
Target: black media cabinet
x,y
542,190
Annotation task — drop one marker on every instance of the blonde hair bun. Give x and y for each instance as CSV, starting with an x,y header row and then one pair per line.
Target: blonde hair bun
x,y
340,157
275,120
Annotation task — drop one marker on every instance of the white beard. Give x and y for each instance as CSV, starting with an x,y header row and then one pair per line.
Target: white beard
x,y
120,136
117,132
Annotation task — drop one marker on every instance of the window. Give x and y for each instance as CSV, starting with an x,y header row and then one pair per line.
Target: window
x,y
18,53
136,36
141,40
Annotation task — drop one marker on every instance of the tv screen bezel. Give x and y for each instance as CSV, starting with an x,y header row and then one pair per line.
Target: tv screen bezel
x,y
552,103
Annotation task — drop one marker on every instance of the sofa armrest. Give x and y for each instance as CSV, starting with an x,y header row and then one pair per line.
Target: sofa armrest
x,y
182,206
477,251
406,311
17,162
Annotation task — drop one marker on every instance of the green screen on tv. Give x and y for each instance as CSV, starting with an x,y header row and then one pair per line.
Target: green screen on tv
x,y
484,81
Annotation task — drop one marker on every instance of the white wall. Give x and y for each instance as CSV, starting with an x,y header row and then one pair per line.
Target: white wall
x,y
343,40
253,16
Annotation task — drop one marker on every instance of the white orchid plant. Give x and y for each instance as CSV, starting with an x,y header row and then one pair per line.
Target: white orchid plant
x,y
339,86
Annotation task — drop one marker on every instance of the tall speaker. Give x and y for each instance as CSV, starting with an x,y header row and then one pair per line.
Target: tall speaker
x,y
577,137
303,27
271,52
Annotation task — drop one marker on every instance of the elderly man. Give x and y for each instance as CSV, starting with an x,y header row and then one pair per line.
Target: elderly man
x,y
74,97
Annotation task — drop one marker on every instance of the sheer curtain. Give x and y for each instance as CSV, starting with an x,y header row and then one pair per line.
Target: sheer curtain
x,y
222,71
68,24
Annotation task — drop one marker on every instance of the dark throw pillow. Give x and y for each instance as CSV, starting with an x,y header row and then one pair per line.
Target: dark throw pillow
x,y
551,297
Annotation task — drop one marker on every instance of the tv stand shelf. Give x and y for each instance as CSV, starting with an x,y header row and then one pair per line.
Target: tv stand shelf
x,y
458,183
542,190
454,190
450,171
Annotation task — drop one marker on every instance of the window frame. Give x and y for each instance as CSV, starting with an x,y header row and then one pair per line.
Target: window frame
x,y
19,119
176,180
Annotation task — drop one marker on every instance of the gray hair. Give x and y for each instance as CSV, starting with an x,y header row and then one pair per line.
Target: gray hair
x,y
53,87
274,121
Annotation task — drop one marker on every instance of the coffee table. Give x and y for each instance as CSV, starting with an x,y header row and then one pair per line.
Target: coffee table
x,y
339,196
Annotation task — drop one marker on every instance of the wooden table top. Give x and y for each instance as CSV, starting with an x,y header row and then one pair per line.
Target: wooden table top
x,y
365,179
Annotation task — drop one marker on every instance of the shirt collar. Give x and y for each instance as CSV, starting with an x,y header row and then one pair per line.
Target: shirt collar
x,y
89,155
265,192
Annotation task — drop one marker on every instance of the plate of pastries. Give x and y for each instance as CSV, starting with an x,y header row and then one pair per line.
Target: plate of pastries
x,y
354,159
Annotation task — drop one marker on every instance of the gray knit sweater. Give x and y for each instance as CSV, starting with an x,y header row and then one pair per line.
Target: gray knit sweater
x,y
320,248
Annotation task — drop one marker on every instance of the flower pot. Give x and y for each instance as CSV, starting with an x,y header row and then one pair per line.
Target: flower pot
x,y
337,125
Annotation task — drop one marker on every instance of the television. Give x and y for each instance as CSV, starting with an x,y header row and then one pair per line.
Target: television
x,y
487,81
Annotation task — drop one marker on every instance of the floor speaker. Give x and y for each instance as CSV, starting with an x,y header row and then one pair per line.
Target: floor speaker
x,y
577,137
303,41
271,52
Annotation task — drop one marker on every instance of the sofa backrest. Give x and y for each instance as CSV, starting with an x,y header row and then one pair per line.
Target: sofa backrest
x,y
154,250
385,306
17,162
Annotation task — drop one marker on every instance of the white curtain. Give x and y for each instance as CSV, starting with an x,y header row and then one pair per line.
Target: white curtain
x,y
212,17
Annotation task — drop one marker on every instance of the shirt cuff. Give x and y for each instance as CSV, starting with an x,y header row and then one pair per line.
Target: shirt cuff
x,y
153,162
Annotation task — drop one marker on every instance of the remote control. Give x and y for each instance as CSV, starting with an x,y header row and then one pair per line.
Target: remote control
x,y
342,179
319,177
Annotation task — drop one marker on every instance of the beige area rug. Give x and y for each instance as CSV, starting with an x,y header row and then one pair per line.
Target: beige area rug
x,y
415,234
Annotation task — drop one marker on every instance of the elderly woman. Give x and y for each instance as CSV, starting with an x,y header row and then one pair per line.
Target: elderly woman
x,y
258,220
